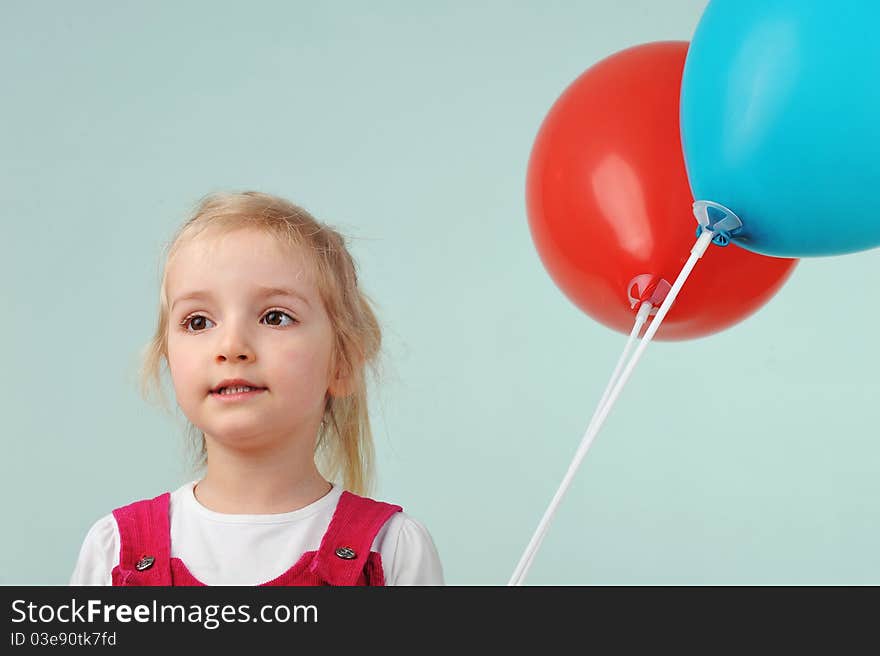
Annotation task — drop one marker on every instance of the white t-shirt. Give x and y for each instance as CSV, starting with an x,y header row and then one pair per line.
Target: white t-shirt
x,y
226,549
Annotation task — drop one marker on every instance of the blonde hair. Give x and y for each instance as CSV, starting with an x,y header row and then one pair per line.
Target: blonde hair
x,y
345,444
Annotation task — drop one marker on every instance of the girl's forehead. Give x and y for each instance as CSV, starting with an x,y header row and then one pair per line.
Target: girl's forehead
x,y
241,241
244,252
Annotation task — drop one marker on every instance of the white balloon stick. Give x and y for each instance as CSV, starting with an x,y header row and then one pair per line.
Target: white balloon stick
x,y
526,560
605,404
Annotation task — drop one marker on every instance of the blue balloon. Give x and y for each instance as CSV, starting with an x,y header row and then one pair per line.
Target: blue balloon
x,y
780,122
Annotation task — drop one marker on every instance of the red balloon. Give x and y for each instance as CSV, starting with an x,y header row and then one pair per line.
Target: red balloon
x,y
609,204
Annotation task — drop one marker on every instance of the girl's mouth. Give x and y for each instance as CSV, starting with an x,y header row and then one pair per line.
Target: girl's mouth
x,y
229,394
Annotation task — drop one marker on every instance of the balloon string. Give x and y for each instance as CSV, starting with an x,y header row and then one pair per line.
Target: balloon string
x,y
607,402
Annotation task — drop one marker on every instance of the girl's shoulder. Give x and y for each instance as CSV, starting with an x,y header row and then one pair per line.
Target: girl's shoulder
x,y
103,532
408,552
398,525
98,553
403,524
100,549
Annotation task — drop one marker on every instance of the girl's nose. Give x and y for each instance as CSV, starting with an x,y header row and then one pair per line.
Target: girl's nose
x,y
234,346
239,355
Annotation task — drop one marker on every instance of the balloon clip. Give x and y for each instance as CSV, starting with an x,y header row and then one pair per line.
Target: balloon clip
x,y
646,288
718,219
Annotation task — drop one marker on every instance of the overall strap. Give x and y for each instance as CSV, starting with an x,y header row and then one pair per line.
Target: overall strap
x,y
345,547
145,542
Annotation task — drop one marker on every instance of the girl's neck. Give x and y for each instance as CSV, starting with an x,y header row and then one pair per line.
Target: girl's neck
x,y
259,497
235,485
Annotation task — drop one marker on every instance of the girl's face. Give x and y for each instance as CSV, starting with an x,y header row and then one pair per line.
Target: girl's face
x,y
225,322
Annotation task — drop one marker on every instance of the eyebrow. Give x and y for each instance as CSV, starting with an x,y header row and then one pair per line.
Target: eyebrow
x,y
261,292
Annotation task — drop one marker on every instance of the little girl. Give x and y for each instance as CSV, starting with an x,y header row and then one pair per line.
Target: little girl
x,y
266,336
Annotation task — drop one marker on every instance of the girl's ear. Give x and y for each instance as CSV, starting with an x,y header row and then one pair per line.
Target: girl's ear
x,y
338,388
341,384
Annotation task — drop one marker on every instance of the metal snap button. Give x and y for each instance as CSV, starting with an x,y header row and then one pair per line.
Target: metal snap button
x,y
145,563
346,552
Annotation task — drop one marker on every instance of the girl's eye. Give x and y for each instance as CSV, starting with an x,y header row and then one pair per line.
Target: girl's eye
x,y
197,321
279,314
192,320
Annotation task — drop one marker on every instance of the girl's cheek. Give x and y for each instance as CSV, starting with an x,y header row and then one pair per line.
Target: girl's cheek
x,y
180,364
301,360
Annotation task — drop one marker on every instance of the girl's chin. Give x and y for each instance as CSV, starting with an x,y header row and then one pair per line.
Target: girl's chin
x,y
241,440
246,434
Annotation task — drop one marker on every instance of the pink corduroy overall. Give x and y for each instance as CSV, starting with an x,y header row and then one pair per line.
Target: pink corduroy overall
x,y
343,558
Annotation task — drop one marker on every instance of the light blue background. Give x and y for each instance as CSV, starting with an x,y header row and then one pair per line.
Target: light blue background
x,y
748,457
